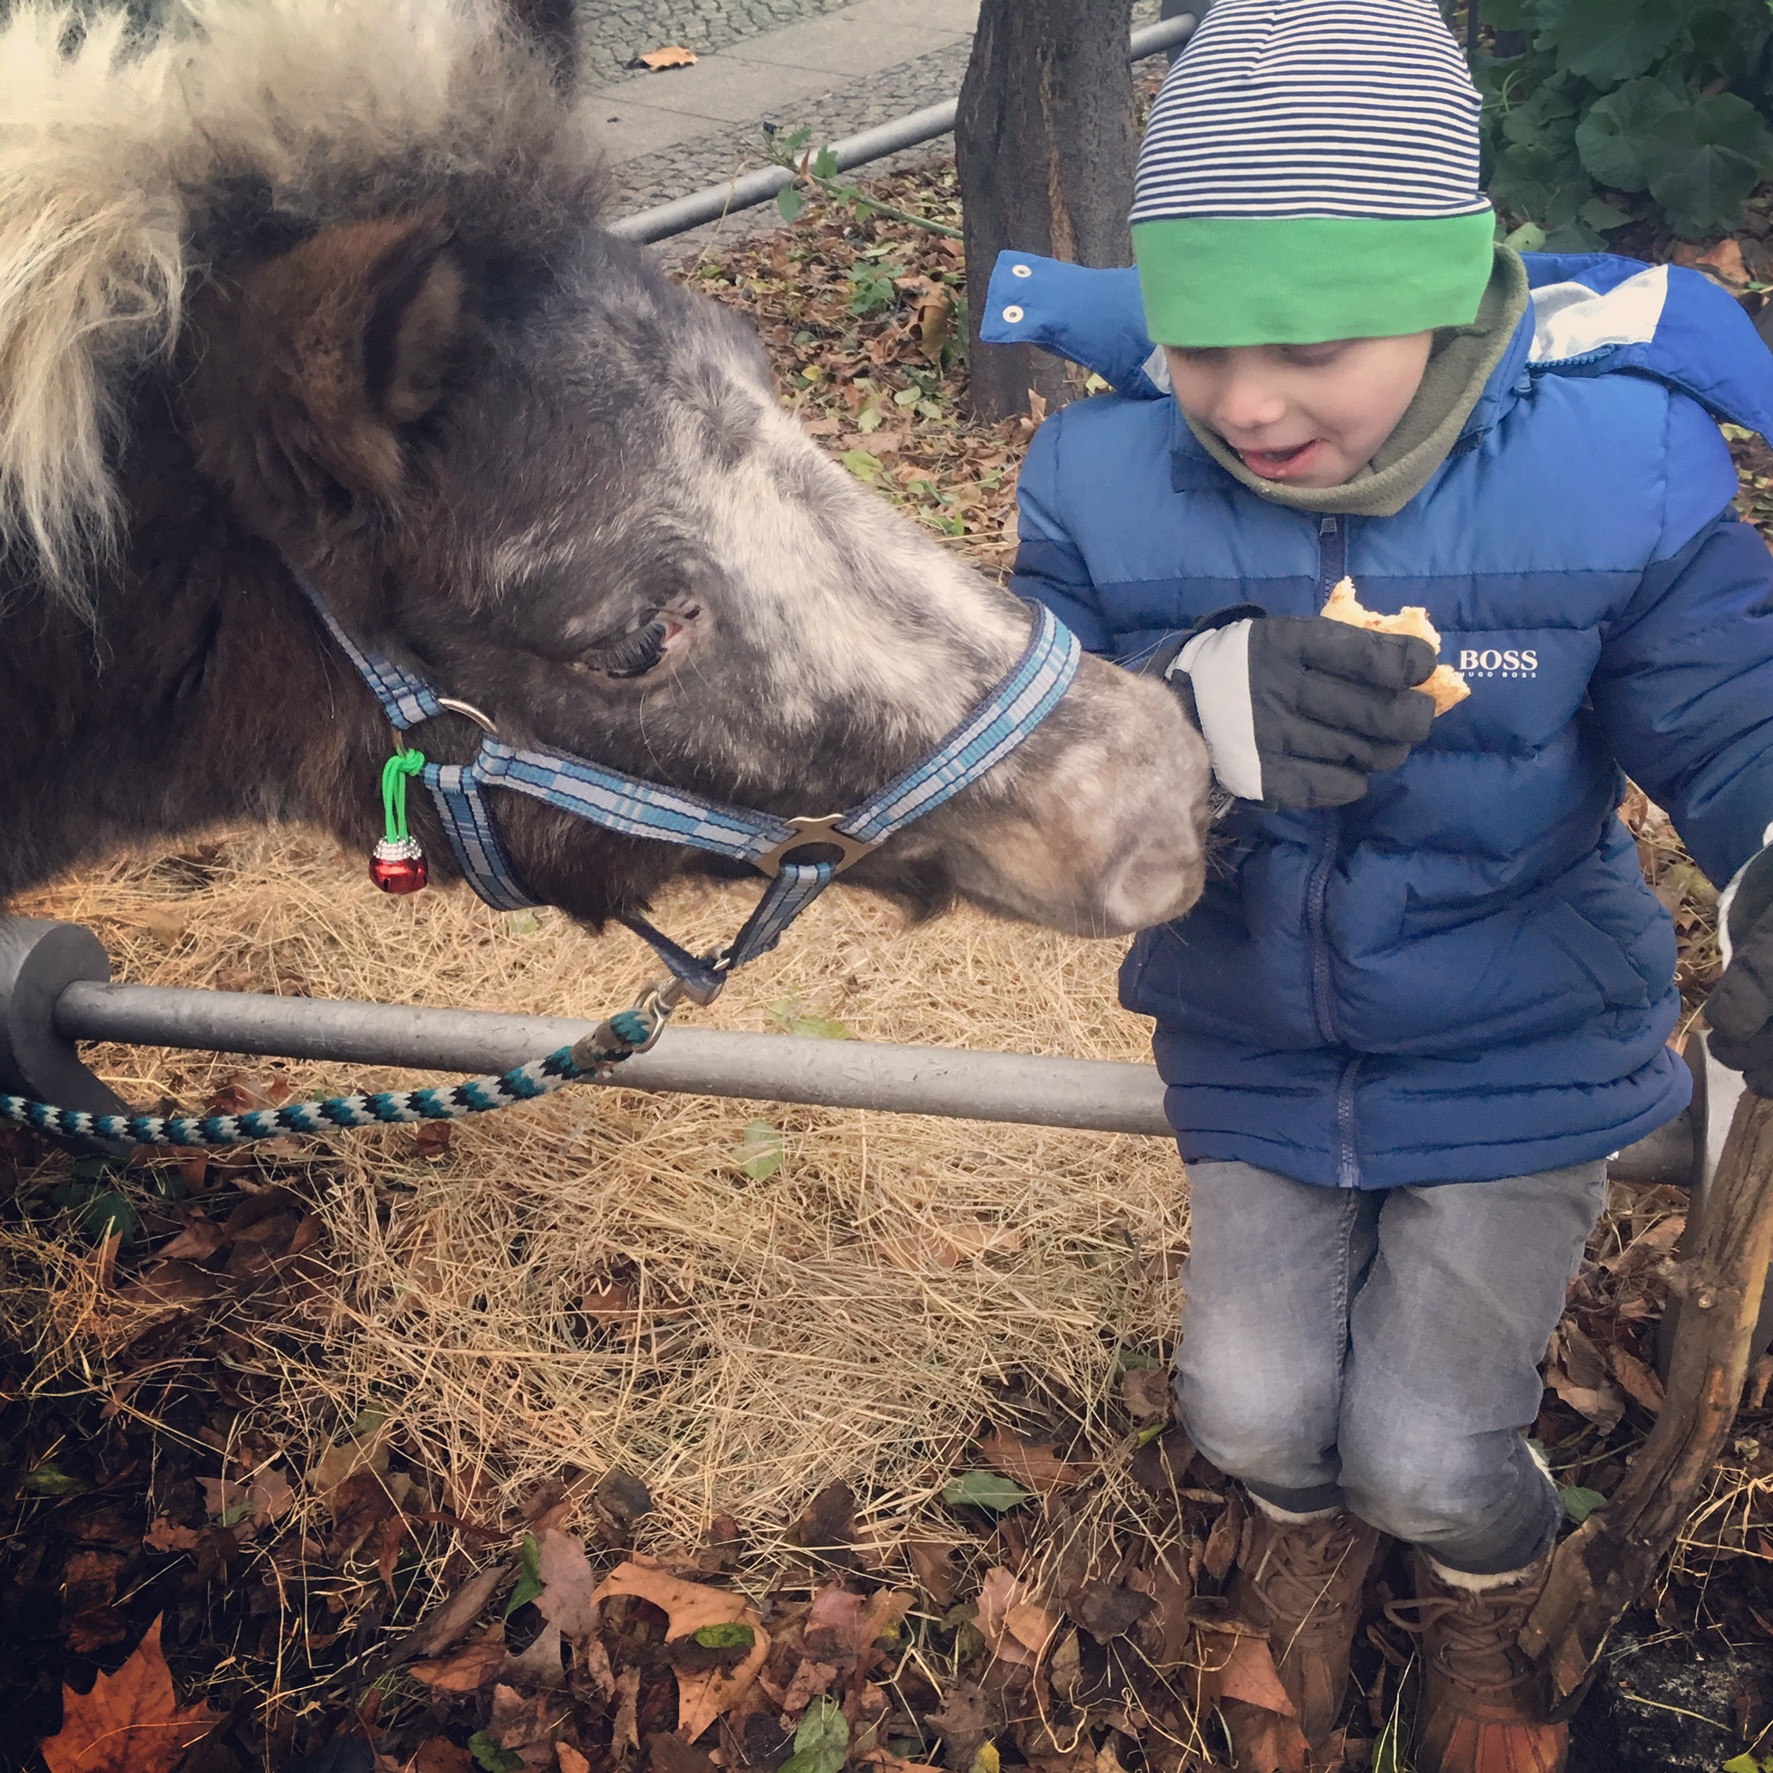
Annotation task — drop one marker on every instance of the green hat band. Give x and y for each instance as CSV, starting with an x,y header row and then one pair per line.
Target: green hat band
x,y
1302,280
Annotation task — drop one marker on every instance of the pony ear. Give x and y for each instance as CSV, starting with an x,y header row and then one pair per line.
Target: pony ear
x,y
316,364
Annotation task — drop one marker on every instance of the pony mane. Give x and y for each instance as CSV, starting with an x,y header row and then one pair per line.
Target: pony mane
x,y
132,162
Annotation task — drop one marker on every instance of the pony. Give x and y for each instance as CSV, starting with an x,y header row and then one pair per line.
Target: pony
x,y
309,317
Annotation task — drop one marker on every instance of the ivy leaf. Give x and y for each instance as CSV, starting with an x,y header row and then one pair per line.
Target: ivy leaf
x,y
529,1577
489,1756
790,202
1605,41
824,164
731,1634
760,1152
1705,159
1579,1503
822,1743
861,464
1612,137
985,1489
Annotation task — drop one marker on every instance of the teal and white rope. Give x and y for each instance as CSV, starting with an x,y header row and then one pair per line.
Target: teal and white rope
x,y
623,1034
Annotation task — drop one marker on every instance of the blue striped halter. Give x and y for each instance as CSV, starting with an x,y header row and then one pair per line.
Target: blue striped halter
x,y
619,802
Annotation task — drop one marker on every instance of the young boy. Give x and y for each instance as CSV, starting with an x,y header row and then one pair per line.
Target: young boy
x,y
1427,992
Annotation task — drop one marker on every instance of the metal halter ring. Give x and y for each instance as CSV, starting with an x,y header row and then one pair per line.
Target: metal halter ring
x,y
820,832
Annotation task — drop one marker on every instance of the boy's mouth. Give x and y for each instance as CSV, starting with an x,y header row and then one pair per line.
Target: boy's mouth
x,y
1280,464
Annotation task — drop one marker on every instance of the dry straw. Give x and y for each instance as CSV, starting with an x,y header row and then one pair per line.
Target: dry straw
x,y
596,1281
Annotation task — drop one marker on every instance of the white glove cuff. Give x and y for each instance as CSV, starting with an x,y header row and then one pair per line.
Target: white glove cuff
x,y
1727,896
1218,667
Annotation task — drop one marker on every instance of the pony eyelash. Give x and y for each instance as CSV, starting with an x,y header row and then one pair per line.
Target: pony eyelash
x,y
634,654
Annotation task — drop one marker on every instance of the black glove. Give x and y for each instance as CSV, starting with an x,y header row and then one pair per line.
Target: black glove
x,y
1740,1008
1298,711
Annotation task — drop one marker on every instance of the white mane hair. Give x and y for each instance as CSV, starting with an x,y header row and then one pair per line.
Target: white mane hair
x,y
124,156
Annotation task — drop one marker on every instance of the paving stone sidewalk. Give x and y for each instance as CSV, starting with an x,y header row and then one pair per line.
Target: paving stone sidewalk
x,y
845,70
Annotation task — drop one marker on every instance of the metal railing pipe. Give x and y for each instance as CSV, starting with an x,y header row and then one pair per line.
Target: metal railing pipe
x,y
752,188
1096,1094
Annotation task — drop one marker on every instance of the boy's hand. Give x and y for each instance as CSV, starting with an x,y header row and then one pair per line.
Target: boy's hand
x,y
1740,1008
1298,711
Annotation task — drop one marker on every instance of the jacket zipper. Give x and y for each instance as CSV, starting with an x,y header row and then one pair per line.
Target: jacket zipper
x,y
1332,556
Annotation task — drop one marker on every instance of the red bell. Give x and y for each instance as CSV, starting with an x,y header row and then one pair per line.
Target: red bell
x,y
398,865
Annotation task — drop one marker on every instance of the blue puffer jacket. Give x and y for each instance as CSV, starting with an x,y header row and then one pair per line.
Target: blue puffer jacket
x,y
1463,975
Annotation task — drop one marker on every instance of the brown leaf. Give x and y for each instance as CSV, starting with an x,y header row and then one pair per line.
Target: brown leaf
x,y
568,1583
170,1283
673,55
1039,1467
833,1629
518,1719
1106,1609
671,1754
131,1722
95,1628
1246,1672
199,1240
829,1519
626,1733
542,1663
358,1506
466,1670
1575,1370
811,1679
1162,1465
1638,1381
932,1562
688,1606
163,1535
1146,1393
1266,1739
598,1670
437,1754
571,1761
1222,1540
998,1596
438,1630
431,1140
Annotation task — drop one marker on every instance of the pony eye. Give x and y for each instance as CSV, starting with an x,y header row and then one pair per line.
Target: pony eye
x,y
634,654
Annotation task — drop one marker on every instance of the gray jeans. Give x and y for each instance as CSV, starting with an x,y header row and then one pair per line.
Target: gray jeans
x,y
1381,1349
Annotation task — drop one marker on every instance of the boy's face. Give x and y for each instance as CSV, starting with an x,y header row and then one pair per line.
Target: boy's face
x,y
1302,415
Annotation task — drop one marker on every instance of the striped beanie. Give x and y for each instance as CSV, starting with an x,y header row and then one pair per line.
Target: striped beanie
x,y
1310,172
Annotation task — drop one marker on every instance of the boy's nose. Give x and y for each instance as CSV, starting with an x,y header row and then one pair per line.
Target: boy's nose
x,y
1246,405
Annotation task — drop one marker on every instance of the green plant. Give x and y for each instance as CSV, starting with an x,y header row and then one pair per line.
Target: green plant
x,y
820,172
1662,102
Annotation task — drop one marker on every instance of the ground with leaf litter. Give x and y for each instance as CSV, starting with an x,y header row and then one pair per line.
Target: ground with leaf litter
x,y
288,1461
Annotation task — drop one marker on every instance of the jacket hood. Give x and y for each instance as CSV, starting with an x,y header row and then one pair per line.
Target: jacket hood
x,y
1592,314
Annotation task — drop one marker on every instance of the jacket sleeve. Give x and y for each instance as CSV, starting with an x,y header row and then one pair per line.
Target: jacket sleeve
x,y
1684,684
1049,567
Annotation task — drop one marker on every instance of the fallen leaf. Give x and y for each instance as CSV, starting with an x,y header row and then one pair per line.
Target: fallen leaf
x,y
163,1535
1107,1609
932,1562
985,1489
1246,1672
1638,1381
598,1670
431,1140
704,1694
1575,1371
1146,1393
833,1628
1267,1739
441,1628
541,1663
1031,1625
1000,1593
828,1521
821,1744
437,1754
466,1670
131,1722
1038,1466
626,1733
170,1283
673,55
567,1584
571,1761
811,1679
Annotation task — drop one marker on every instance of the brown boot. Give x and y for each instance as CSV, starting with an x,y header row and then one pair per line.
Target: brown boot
x,y
1300,1583
1483,1704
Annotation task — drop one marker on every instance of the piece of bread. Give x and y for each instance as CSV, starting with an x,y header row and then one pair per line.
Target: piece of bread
x,y
1447,688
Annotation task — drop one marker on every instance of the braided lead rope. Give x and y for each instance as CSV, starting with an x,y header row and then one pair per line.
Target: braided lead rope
x,y
626,1032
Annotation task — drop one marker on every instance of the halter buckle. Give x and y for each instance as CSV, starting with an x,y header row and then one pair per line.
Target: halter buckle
x,y
822,831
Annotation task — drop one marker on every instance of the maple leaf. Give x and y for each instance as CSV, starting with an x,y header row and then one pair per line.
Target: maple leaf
x,y
673,55
131,1722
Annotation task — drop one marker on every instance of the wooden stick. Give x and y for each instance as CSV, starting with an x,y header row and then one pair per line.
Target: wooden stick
x,y
1603,1567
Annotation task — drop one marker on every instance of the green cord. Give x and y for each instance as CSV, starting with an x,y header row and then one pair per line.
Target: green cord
x,y
394,776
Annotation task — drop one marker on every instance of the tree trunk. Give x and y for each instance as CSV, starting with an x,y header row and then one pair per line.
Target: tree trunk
x,y
1610,1559
1044,142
